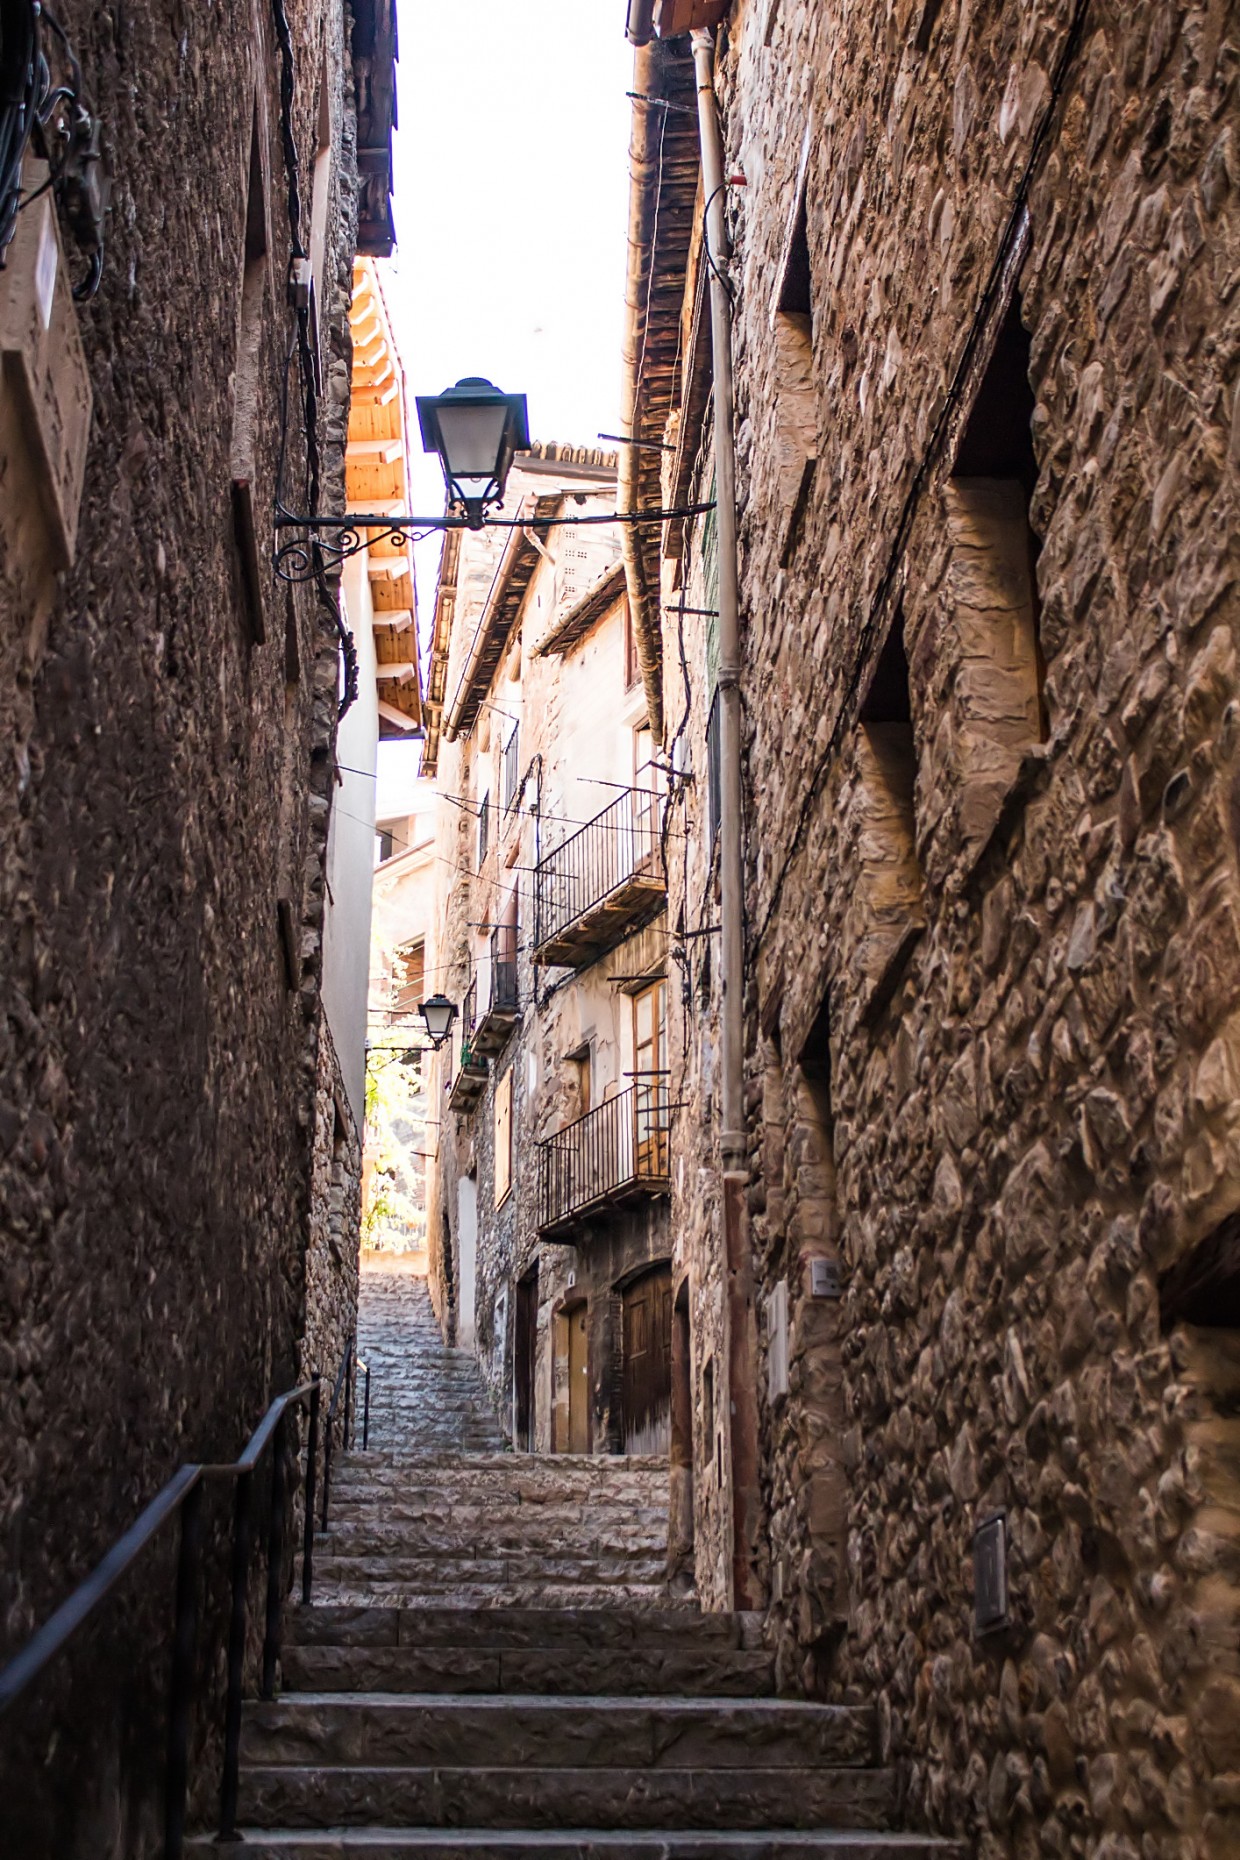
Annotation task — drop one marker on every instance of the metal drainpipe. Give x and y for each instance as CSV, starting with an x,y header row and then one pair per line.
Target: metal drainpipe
x,y
741,1329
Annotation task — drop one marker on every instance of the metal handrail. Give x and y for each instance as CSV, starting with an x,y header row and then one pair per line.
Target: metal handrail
x,y
344,1379
620,843
365,1369
182,1496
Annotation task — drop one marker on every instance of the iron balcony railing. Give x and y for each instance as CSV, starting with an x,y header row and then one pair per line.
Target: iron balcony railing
x,y
496,983
502,982
613,863
469,1022
618,1150
470,1075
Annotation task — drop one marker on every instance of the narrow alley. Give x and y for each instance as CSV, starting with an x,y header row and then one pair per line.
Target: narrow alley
x,y
619,929
492,1666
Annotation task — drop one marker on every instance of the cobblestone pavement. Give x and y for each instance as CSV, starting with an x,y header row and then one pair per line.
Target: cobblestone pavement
x,y
424,1398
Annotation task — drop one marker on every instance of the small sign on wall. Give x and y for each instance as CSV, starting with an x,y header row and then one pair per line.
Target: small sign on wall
x,y
824,1278
990,1581
45,390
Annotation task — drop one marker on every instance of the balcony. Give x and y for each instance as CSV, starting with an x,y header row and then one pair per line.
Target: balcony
x,y
601,882
470,1077
618,1152
498,993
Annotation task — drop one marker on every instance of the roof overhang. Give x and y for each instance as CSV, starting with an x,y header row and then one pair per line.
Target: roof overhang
x,y
511,584
376,474
375,51
585,613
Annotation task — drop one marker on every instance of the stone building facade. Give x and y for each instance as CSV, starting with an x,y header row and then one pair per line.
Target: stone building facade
x,y
548,1220
169,1142
985,347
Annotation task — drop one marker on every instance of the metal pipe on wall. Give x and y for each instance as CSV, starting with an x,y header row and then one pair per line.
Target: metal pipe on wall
x,y
741,1327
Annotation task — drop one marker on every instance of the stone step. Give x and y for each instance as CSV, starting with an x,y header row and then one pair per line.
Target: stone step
x,y
697,1672
343,1591
534,1563
306,1796
598,1467
575,1844
420,1730
571,1542
535,1629
434,1508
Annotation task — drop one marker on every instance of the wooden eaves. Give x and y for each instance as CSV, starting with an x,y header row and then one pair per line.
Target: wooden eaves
x,y
585,613
377,480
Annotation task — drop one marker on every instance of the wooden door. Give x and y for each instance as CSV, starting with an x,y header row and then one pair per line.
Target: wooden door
x,y
525,1358
578,1382
650,1080
648,1362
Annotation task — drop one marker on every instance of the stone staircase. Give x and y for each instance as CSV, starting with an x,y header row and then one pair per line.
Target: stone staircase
x,y
491,1667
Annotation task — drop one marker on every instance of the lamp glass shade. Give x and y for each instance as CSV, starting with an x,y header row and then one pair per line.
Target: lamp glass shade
x,y
472,435
438,1014
475,429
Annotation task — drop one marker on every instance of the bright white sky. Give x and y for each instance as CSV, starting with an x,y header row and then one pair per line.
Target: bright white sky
x,y
511,201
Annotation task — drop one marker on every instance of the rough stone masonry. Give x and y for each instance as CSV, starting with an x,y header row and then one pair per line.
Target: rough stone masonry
x,y
986,346
165,780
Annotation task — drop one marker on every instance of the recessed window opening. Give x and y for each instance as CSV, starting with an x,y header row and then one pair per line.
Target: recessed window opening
x,y
1204,1289
890,767
247,376
994,474
795,298
250,324
320,193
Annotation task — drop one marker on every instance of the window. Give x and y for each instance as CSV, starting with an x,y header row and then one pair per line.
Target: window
x,y
247,377
886,907
993,589
320,202
409,977
503,1138
383,845
650,1078
792,322
484,829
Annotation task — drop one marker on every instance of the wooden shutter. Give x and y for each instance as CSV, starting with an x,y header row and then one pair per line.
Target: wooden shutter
x,y
503,1137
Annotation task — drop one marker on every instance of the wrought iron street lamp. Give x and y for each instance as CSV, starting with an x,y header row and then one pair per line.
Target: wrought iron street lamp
x,y
476,430
438,1015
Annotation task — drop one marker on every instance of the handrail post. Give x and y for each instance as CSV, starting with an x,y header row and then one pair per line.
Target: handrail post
x,y
366,1413
181,1683
312,1454
275,1565
346,1434
236,1658
327,1468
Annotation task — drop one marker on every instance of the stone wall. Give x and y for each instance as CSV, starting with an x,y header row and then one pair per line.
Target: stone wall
x,y
332,1256
995,973
167,779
